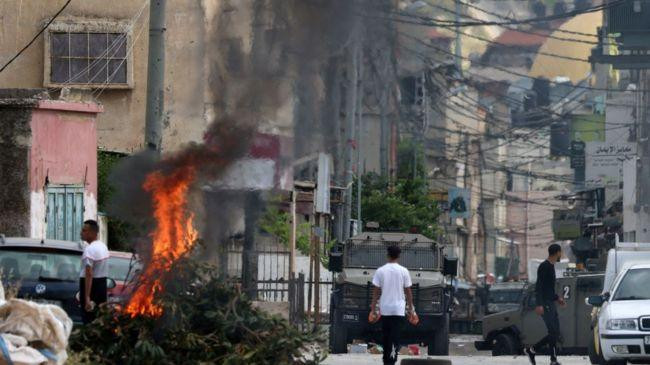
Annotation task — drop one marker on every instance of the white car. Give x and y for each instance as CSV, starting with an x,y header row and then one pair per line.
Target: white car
x,y
624,317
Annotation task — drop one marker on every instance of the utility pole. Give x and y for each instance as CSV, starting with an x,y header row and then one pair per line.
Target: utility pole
x,y
359,126
529,184
350,115
155,76
458,50
384,134
481,168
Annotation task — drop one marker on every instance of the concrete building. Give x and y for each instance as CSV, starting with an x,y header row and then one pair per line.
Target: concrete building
x,y
48,165
104,49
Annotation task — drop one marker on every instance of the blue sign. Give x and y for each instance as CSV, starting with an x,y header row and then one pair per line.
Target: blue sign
x,y
459,203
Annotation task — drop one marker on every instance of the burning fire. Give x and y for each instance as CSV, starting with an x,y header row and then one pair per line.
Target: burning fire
x,y
174,235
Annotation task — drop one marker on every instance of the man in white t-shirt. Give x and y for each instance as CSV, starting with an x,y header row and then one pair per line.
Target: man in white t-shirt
x,y
94,271
394,282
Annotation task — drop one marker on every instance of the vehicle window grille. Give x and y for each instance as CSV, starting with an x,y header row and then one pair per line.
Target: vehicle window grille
x,y
372,254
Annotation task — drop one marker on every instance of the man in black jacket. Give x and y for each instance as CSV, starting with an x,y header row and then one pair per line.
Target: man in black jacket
x,y
545,298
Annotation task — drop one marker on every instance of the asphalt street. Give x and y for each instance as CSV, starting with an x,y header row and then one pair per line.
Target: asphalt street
x,y
357,359
462,352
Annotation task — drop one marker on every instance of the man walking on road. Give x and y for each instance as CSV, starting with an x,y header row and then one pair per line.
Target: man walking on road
x,y
394,282
545,298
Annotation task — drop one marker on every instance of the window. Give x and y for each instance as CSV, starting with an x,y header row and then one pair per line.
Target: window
x,y
32,264
122,268
633,285
86,56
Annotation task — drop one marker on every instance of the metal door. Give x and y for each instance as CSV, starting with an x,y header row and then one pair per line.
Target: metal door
x,y
65,208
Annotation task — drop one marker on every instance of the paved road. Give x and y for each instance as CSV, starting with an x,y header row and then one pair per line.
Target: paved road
x,y
463,353
355,359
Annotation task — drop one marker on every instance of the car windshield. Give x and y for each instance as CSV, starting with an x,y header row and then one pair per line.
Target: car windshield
x,y
28,264
118,268
504,296
634,285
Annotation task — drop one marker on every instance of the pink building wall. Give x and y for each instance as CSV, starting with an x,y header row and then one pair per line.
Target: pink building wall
x,y
63,151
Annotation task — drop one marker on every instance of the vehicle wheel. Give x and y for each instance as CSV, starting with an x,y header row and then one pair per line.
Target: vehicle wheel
x,y
337,336
338,341
439,343
594,356
505,344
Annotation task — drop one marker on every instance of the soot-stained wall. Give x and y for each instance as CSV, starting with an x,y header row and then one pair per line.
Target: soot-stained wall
x,y
15,137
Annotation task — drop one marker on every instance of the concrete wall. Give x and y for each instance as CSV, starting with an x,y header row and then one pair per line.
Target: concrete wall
x,y
63,152
43,142
15,141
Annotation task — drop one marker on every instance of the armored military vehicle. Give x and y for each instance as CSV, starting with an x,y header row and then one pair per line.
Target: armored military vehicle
x,y
508,332
355,264
504,296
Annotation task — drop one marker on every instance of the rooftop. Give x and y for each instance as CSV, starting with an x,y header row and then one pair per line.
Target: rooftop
x,y
526,39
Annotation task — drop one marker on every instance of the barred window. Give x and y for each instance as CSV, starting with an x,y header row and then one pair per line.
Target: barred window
x,y
88,58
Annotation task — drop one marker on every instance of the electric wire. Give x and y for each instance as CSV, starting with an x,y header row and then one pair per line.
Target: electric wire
x,y
11,60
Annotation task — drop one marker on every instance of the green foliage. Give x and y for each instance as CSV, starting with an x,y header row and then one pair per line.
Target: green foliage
x,y
278,224
205,321
408,204
118,231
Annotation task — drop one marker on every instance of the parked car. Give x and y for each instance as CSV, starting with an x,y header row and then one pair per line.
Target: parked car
x,y
619,258
122,267
45,271
624,317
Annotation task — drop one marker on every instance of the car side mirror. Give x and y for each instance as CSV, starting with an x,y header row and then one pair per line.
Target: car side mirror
x,y
450,267
110,283
596,300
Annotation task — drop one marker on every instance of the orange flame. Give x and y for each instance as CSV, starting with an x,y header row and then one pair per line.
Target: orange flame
x,y
174,235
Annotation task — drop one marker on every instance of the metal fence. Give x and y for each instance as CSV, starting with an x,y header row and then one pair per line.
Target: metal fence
x,y
325,293
268,264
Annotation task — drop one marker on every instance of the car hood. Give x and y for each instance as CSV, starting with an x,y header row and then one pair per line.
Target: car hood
x,y
619,309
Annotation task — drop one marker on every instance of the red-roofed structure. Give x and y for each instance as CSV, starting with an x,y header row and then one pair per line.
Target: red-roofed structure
x,y
515,48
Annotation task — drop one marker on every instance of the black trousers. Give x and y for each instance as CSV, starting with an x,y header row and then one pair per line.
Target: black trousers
x,y
553,327
98,294
391,327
